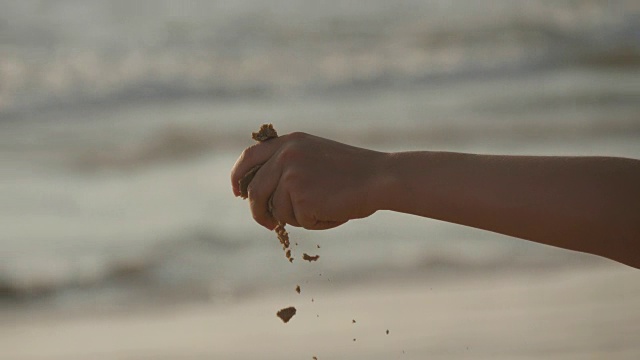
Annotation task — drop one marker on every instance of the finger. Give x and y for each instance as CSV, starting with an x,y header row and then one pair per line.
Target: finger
x,y
306,215
261,189
325,225
281,209
303,215
311,222
256,154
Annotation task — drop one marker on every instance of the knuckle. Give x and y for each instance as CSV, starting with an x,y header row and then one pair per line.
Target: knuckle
x,y
243,155
294,149
291,177
297,135
247,154
256,216
259,211
282,211
236,173
255,193
307,223
302,215
289,154
260,217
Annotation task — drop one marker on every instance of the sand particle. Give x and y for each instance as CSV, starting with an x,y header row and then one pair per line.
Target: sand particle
x,y
298,289
286,314
265,133
310,258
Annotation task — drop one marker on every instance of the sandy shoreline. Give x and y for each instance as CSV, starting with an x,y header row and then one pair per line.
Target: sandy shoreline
x,y
569,314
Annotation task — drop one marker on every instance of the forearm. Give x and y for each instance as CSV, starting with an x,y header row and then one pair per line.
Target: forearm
x,y
589,204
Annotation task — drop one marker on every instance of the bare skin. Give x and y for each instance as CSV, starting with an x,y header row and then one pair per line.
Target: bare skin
x,y
587,204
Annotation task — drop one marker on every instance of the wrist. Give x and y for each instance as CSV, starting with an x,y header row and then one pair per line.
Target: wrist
x,y
387,182
406,182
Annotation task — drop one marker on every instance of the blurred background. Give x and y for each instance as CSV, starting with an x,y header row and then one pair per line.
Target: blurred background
x,y
120,121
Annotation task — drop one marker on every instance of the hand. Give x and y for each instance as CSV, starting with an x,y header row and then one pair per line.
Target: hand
x,y
309,181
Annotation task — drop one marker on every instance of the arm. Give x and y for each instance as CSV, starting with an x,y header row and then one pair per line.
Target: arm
x,y
588,204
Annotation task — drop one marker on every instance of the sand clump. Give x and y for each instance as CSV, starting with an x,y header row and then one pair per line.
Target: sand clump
x,y
310,258
265,133
283,237
286,314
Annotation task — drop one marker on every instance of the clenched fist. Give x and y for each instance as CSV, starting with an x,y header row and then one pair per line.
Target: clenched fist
x,y
310,182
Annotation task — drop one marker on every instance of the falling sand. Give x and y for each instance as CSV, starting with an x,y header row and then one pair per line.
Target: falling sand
x,y
265,133
310,258
286,314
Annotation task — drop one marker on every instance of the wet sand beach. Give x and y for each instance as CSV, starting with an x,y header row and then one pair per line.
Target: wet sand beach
x,y
571,313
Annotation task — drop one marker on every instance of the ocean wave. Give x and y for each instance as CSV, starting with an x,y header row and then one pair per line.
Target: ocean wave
x,y
176,144
33,277
257,55
205,268
192,257
169,144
